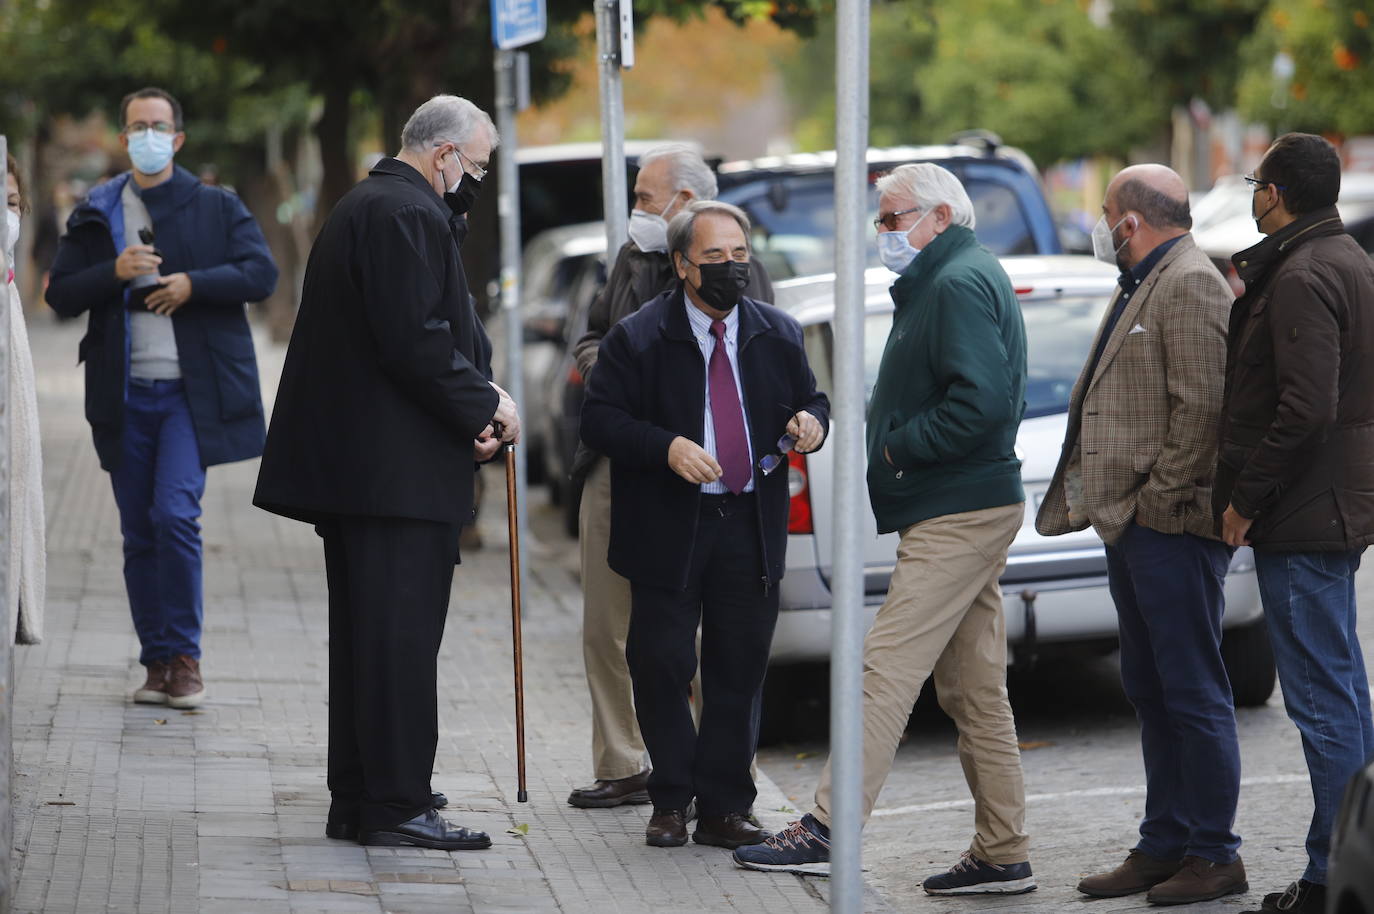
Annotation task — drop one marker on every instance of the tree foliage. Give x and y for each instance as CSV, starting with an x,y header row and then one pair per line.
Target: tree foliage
x,y
1040,74
1328,46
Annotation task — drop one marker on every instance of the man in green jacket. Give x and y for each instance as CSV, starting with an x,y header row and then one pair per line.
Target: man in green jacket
x,y
941,470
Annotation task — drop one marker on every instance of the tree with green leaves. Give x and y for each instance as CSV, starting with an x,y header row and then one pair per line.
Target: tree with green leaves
x,y
1309,66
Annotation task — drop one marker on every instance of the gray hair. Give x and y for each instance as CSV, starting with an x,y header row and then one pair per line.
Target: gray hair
x,y
448,119
928,185
683,227
688,169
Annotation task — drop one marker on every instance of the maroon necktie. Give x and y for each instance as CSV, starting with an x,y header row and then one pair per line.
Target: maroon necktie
x,y
732,450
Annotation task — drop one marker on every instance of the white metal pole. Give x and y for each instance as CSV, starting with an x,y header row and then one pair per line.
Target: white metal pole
x,y
508,208
615,198
846,584
6,636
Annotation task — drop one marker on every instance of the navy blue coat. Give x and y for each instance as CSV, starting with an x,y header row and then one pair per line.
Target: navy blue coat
x,y
207,233
649,387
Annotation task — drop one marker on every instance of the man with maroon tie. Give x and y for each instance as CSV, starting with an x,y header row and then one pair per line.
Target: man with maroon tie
x,y
696,399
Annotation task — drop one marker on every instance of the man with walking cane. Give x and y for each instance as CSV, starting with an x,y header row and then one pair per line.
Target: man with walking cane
x,y
384,407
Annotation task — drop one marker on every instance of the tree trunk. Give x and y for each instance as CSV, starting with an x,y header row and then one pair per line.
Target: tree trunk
x,y
336,148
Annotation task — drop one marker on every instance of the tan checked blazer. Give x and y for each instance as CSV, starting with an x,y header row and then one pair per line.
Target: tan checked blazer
x,y
1144,426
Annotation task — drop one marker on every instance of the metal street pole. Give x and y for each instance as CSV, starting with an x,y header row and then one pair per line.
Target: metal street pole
x,y
6,636
508,209
846,585
615,199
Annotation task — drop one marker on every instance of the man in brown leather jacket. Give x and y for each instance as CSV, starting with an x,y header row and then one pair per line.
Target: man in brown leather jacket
x,y
670,176
1295,474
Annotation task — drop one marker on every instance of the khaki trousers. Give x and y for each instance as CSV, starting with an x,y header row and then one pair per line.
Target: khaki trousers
x,y
943,616
617,747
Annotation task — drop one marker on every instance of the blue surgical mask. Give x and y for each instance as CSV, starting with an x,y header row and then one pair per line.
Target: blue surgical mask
x,y
895,249
150,151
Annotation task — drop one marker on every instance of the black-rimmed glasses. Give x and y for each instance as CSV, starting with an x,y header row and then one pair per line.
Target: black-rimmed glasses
x,y
889,221
770,462
1256,183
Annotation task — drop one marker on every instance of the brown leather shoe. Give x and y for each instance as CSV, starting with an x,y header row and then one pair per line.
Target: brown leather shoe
x,y
1138,873
630,791
154,688
730,831
667,828
1200,880
184,686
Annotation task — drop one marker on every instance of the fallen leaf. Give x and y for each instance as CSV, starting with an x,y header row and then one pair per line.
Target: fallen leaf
x,y
160,720
520,831
802,755
1036,743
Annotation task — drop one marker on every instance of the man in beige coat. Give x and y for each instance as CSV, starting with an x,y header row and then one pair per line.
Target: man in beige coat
x,y
1137,464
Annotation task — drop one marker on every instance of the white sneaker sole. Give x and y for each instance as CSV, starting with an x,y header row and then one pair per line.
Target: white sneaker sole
x,y
186,702
150,697
1010,887
803,869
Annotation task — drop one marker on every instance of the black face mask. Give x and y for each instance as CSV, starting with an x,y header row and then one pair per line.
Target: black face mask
x,y
461,200
722,283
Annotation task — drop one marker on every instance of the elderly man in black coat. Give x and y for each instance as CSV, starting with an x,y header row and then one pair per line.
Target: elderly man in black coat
x,y
384,407
696,398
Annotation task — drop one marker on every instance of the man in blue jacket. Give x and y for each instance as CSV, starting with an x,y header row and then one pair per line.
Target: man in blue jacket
x,y
163,265
691,399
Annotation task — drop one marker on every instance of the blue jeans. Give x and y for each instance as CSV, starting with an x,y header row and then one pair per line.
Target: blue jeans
x,y
1169,602
157,487
1309,600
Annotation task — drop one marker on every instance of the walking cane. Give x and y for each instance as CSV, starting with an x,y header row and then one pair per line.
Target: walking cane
x,y
521,795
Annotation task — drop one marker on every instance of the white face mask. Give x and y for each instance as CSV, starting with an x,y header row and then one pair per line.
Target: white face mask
x,y
1105,248
12,224
649,231
895,249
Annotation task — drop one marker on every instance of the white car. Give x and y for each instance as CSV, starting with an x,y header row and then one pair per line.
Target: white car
x,y
1054,588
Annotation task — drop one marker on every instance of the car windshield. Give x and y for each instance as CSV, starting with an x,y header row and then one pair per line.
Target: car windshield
x,y
794,221
1059,333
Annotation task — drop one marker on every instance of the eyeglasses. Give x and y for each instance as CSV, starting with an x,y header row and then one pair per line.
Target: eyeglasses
x,y
770,462
481,172
138,128
1256,183
889,221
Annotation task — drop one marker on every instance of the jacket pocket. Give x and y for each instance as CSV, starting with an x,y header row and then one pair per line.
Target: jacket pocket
x,y
1143,461
236,376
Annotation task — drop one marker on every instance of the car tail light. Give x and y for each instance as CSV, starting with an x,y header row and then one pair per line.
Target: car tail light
x,y
799,508
574,376
1024,290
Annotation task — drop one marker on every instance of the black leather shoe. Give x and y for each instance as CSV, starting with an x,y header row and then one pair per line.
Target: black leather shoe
x,y
667,828
345,830
428,829
730,831
630,791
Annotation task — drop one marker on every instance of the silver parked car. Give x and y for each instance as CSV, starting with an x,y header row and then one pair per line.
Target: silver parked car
x,y
1054,588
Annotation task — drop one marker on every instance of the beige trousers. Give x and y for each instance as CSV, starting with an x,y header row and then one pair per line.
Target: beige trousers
x,y
943,616
617,747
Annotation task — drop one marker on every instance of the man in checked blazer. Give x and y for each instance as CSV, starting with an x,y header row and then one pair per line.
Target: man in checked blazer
x,y
1137,464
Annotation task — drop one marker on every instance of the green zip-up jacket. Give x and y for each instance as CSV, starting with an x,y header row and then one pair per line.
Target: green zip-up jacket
x,y
951,388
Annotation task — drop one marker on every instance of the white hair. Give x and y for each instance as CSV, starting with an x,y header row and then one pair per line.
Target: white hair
x,y
687,169
448,119
927,185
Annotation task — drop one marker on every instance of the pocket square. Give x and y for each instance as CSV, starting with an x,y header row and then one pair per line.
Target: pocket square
x,y
1136,329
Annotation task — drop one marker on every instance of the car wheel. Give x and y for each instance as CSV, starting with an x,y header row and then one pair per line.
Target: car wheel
x,y
1249,660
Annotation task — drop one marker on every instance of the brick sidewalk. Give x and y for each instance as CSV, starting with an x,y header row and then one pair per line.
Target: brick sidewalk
x,y
134,808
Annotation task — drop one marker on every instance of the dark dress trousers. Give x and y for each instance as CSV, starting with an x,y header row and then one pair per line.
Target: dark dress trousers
x,y
692,558
385,387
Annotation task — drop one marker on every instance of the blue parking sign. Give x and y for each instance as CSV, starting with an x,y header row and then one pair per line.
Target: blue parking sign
x,y
517,22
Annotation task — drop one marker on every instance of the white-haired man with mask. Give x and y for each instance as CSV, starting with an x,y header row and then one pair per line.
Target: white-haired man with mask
x,y
385,406
941,470
670,177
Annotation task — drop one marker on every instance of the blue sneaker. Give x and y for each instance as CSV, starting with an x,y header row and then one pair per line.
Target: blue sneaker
x,y
799,848
971,876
